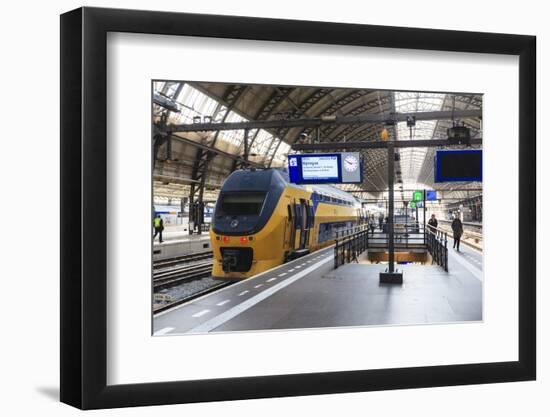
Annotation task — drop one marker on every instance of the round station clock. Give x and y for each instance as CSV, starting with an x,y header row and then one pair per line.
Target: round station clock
x,y
351,163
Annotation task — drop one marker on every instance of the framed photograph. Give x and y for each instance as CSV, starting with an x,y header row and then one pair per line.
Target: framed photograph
x,y
258,208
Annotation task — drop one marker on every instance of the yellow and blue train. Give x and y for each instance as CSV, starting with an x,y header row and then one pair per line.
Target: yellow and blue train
x,y
262,220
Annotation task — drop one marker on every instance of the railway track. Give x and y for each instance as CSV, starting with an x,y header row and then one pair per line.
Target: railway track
x,y
192,257
181,279
159,308
168,277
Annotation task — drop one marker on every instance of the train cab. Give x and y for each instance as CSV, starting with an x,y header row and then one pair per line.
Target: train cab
x,y
261,220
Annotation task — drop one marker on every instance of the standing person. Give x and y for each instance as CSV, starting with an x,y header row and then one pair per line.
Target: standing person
x,y
456,225
372,224
380,220
433,221
158,224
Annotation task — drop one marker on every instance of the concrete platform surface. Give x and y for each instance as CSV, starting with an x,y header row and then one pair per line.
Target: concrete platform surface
x,y
309,293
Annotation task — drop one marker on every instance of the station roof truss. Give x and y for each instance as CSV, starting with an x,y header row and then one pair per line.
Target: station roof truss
x,y
200,128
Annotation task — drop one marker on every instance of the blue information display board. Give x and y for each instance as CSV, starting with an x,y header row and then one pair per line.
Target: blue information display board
x,y
325,168
462,165
431,195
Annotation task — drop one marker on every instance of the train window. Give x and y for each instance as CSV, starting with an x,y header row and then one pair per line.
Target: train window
x,y
241,203
289,210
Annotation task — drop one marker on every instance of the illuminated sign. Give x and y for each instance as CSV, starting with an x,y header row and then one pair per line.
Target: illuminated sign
x,y
325,168
431,195
418,195
322,167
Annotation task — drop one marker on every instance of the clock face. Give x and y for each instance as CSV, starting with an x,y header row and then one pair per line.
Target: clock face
x,y
351,163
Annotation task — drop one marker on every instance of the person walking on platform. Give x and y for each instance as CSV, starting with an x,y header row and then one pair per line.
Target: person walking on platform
x,y
433,221
158,224
456,225
372,224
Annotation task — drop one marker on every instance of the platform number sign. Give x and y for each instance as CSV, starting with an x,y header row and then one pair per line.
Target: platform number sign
x,y
431,195
418,195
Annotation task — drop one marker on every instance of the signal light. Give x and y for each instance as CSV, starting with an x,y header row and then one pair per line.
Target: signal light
x,y
244,239
225,238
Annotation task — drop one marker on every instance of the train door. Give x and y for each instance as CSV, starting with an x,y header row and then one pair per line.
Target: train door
x,y
304,235
290,229
299,232
311,222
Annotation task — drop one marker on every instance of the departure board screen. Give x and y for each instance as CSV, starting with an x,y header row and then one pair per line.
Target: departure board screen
x,y
462,165
324,167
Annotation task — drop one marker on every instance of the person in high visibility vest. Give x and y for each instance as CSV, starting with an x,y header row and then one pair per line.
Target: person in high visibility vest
x,y
158,224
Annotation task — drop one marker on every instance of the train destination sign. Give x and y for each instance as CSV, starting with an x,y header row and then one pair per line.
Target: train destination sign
x,y
334,168
320,167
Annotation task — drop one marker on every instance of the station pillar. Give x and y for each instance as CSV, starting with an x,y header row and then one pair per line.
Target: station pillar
x,y
391,275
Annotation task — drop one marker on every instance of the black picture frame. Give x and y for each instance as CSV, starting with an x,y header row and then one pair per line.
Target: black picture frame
x,y
84,207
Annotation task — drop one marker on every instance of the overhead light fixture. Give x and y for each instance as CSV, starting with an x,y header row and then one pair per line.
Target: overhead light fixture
x,y
328,118
459,134
196,119
207,119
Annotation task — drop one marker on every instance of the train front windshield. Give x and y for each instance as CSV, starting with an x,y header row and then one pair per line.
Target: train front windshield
x,y
241,203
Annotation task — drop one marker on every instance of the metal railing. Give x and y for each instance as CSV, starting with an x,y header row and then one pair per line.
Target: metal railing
x,y
402,239
436,242
338,234
348,248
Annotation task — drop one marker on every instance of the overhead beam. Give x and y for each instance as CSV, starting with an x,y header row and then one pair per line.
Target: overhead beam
x,y
428,143
181,181
215,150
320,121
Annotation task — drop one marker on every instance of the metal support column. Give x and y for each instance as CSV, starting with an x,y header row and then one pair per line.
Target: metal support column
x,y
245,151
391,275
190,218
391,175
424,210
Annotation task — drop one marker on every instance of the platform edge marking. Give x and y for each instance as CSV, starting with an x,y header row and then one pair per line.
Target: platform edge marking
x,y
163,331
476,272
251,302
201,313
244,281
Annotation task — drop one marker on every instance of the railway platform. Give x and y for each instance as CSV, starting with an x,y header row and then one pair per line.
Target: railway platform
x,y
309,293
178,242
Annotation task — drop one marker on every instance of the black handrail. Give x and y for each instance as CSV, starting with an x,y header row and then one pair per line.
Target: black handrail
x,y
354,242
436,241
350,247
